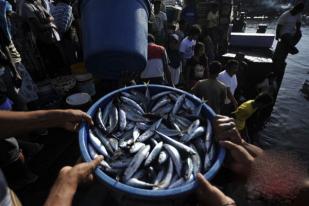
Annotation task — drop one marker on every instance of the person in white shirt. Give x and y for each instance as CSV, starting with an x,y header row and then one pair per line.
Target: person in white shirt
x,y
288,32
187,45
228,77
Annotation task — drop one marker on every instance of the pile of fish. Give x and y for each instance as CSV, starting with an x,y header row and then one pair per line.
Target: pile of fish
x,y
152,142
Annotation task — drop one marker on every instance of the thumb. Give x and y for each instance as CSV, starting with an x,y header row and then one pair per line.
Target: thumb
x,y
203,182
94,163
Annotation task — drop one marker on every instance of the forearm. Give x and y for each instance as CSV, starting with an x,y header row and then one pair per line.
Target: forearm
x,y
61,194
14,123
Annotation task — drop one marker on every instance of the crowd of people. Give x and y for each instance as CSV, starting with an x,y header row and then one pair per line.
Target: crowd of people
x,y
40,39
187,55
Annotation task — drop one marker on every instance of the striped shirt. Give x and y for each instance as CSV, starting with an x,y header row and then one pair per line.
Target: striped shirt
x,y
63,16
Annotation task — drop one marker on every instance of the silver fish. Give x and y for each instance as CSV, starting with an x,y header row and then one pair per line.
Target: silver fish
x,y
169,132
168,177
96,143
190,105
163,157
188,168
106,112
150,132
178,104
196,133
159,177
136,147
114,144
180,182
136,133
175,156
159,95
160,104
129,126
142,126
182,121
132,103
93,155
154,154
196,160
164,110
122,120
135,117
113,119
176,144
121,164
139,184
99,119
136,162
194,126
173,97
198,110
96,132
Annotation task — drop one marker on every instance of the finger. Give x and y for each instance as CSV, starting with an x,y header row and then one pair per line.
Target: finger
x,y
230,145
227,126
94,163
88,167
87,118
203,182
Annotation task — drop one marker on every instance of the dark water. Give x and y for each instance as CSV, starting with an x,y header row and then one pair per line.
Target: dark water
x,y
288,127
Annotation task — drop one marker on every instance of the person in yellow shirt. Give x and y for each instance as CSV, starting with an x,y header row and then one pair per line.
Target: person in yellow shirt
x,y
248,108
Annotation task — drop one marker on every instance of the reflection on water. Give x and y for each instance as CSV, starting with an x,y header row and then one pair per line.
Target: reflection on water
x,y
288,127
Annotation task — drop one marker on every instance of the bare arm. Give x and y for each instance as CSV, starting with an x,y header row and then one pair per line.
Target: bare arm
x,y
14,123
232,98
64,188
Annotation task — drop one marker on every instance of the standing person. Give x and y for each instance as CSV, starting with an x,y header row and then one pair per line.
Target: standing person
x,y
156,71
47,36
19,84
212,90
212,24
187,45
189,14
62,12
174,56
159,20
228,77
197,66
288,34
181,30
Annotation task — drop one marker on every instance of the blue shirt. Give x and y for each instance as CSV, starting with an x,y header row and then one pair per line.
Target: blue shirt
x,y
63,16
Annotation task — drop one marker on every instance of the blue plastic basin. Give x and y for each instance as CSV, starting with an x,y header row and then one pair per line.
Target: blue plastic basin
x,y
142,193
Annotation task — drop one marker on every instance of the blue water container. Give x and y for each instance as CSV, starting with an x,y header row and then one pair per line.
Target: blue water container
x,y
115,36
141,195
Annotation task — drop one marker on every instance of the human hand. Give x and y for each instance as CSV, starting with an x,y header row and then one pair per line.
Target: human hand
x,y
79,173
225,129
70,119
241,161
210,195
